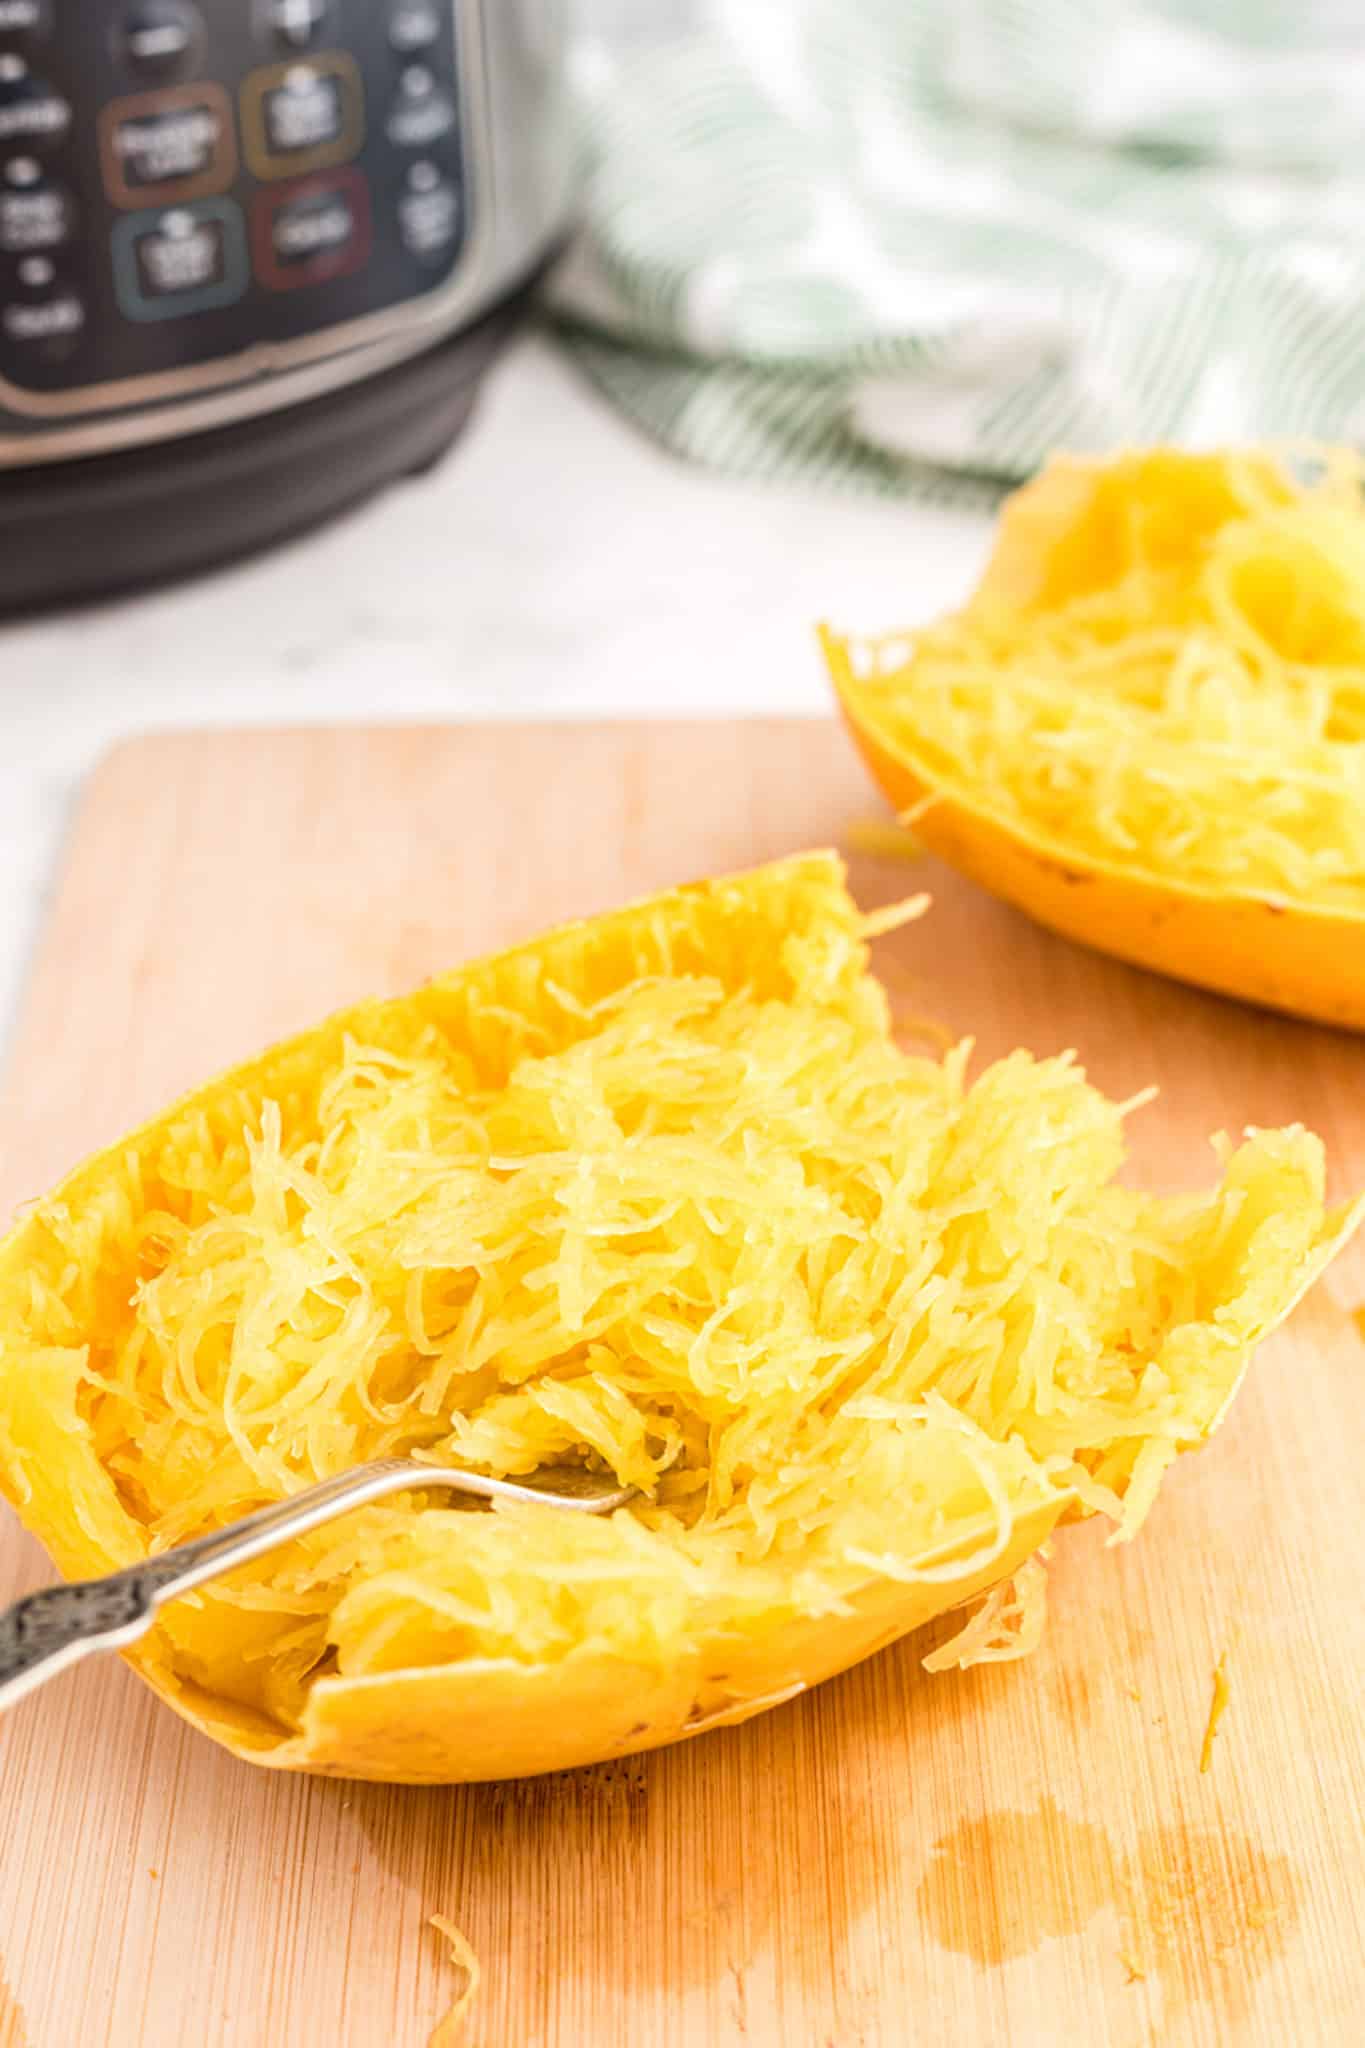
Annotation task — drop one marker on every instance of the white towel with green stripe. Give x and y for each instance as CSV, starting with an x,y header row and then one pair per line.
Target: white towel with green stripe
x,y
913,245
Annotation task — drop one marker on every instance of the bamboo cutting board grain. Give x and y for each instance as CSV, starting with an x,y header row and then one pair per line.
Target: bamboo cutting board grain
x,y
1017,1856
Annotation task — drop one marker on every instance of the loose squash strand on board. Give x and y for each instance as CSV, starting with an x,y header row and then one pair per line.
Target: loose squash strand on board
x,y
1008,1624
1218,1705
450,2028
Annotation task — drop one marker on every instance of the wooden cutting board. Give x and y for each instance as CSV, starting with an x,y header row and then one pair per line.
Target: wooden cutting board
x,y
1018,1856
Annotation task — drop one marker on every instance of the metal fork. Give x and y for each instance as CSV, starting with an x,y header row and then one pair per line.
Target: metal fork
x,y
48,1631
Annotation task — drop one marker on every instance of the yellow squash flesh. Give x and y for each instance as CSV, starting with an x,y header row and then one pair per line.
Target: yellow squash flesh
x,y
1063,554
824,1586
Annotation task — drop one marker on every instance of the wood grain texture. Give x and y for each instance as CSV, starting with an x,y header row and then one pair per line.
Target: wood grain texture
x,y
1018,1856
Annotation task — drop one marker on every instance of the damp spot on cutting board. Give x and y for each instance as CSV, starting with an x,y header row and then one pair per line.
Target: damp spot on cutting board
x,y
1205,1913
1001,1885
1202,1912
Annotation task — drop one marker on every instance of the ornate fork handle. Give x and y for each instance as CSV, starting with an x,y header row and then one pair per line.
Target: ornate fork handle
x,y
48,1631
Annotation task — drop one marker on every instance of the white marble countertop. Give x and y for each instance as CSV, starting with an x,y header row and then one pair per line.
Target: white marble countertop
x,y
557,565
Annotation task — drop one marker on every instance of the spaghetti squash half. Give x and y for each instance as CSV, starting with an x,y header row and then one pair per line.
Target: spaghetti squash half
x,y
657,1191
1147,726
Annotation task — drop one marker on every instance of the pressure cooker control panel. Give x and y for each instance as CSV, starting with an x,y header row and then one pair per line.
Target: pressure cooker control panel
x,y
181,183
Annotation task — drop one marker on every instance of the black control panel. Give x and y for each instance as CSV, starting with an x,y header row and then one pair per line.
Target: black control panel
x,y
180,182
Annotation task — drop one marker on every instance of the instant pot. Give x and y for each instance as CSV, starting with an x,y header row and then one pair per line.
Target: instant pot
x,y
254,255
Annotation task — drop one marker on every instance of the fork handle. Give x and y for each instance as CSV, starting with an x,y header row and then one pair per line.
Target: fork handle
x,y
49,1631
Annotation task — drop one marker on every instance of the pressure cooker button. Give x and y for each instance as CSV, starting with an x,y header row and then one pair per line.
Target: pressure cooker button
x,y
50,326
422,113
297,23
156,141
428,213
315,226
414,25
30,109
313,231
304,111
22,19
35,214
183,255
160,39
304,116
180,261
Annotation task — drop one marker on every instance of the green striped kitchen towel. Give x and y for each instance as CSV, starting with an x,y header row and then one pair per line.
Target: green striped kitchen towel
x,y
912,245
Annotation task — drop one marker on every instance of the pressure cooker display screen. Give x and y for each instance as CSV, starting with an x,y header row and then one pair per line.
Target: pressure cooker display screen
x,y
180,182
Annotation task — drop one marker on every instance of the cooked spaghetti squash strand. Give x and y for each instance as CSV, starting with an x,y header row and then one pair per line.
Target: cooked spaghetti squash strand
x,y
451,2028
1008,1624
841,1314
1165,664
